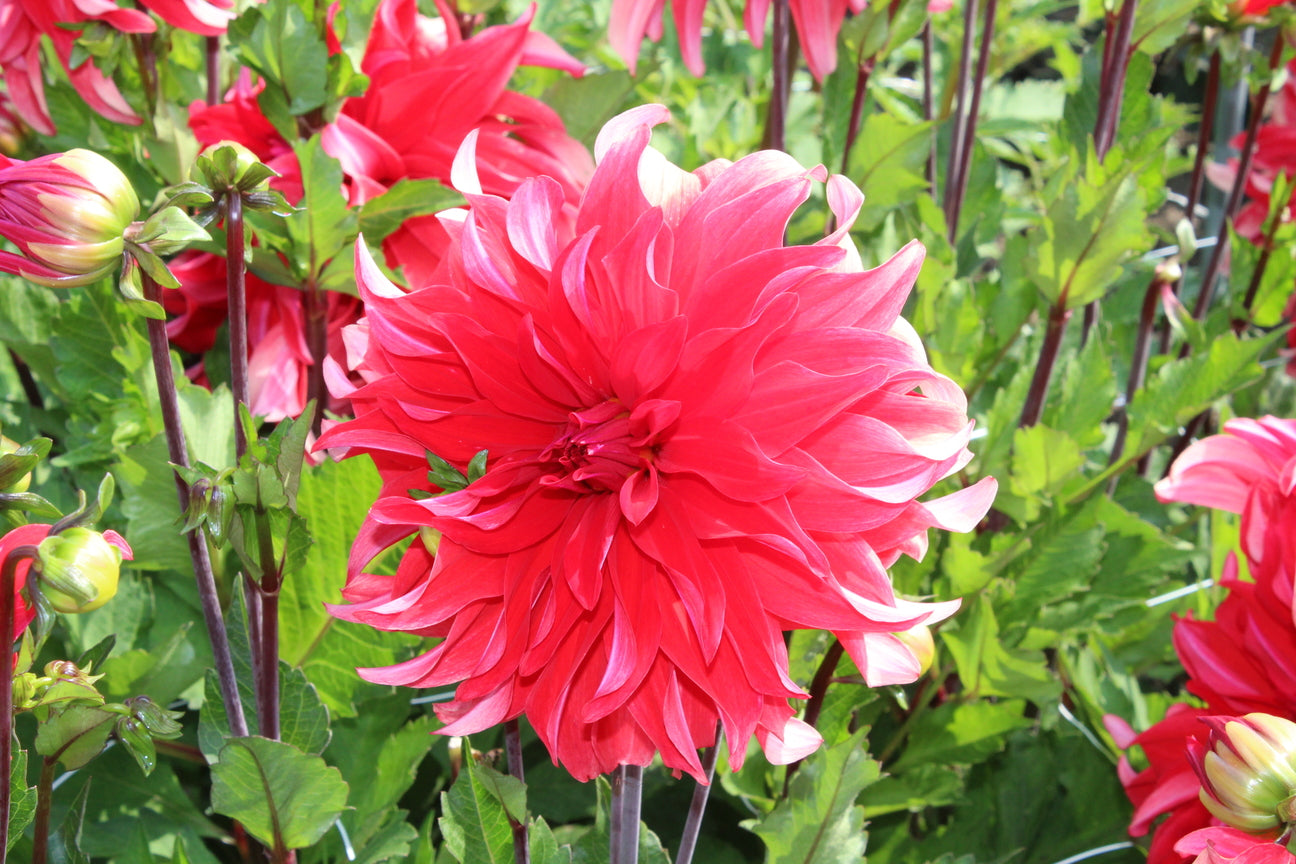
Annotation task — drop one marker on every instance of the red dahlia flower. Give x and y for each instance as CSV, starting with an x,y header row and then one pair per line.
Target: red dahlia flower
x,y
1168,784
280,357
1249,469
817,23
697,439
1220,844
24,22
419,66
25,535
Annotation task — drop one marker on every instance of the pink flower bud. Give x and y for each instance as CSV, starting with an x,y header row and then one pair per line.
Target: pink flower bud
x,y
1248,770
67,213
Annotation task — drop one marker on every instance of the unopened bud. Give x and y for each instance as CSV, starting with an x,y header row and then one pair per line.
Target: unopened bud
x,y
23,483
80,568
1248,770
918,639
67,212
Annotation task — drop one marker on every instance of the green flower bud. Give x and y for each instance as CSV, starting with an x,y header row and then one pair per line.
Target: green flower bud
x,y
1248,770
23,483
79,568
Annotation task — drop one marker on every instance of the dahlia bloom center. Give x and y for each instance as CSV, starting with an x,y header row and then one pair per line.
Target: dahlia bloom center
x,y
603,446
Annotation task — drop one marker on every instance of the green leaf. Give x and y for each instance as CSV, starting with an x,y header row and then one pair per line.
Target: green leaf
x,y
75,734
819,822
888,162
392,841
334,497
406,199
281,44
1094,221
327,226
22,804
285,798
987,668
65,846
543,846
1043,459
961,733
475,819
1183,388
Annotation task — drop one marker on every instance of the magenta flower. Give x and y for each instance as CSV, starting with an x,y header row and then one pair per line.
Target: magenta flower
x,y
204,17
423,66
66,213
697,438
1168,784
817,24
24,22
280,359
1250,469
1220,844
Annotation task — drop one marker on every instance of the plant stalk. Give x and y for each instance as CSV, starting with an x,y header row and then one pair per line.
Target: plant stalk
x,y
814,704
776,119
178,452
267,657
957,138
316,308
213,70
1205,129
970,122
1235,194
1138,363
236,287
1266,249
929,104
41,822
627,796
1033,408
697,806
1112,88
8,576
864,71
513,752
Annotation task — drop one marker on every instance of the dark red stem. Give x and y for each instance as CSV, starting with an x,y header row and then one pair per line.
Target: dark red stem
x,y
213,70
236,287
513,753
929,103
776,120
960,180
1032,410
1235,194
178,453
8,575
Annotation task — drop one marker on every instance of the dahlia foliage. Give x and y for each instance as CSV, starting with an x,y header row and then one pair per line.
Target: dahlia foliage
x,y
697,438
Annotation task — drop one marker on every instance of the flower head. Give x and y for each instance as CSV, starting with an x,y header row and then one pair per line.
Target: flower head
x,y
697,438
1249,469
1248,770
1220,844
67,213
25,535
22,25
280,356
1168,783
